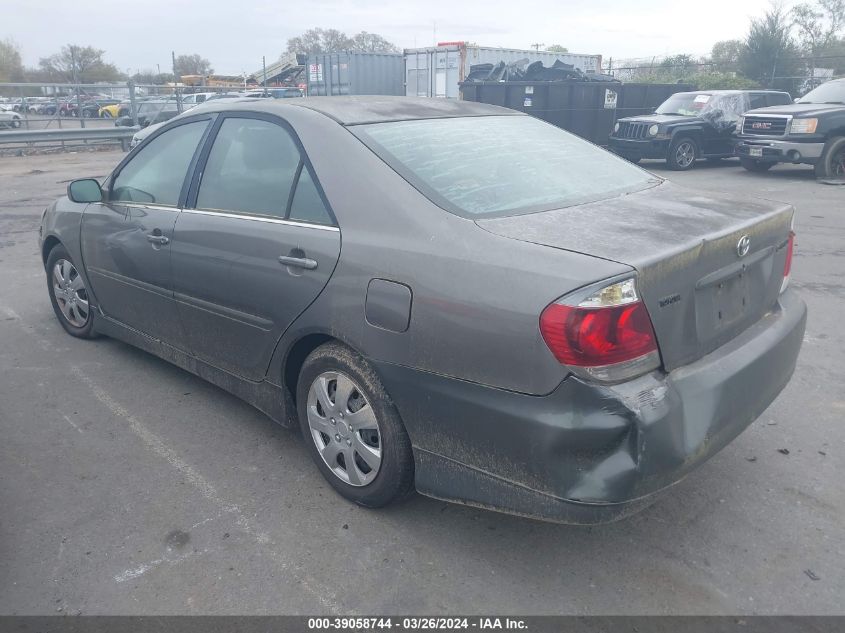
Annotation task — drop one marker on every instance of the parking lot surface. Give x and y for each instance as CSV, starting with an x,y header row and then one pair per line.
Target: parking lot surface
x,y
128,486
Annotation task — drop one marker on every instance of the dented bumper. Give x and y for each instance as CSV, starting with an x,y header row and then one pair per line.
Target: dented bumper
x,y
590,453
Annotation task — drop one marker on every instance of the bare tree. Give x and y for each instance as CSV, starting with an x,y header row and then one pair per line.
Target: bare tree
x,y
330,40
365,42
192,65
79,63
818,24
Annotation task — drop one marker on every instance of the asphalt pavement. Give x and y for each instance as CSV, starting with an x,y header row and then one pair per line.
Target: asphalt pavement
x,y
128,486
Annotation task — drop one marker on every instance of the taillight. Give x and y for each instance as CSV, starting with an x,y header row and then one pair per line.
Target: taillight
x,y
787,265
605,336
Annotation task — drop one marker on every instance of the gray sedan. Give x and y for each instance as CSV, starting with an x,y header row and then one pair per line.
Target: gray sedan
x,y
444,296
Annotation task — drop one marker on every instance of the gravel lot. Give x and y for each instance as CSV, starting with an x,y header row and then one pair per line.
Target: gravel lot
x,y
128,486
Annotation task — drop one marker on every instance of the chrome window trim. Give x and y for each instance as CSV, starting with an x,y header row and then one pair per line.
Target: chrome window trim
x,y
258,218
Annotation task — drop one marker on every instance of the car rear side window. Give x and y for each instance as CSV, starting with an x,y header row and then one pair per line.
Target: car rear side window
x,y
307,205
155,175
500,165
251,168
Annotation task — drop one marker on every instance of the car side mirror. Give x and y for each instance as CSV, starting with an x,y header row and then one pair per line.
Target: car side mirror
x,y
84,190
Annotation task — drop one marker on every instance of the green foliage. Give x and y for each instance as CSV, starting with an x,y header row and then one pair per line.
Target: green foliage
x,y
557,48
11,69
725,55
769,50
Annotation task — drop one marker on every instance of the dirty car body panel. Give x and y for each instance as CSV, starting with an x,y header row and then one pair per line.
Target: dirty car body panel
x,y
445,304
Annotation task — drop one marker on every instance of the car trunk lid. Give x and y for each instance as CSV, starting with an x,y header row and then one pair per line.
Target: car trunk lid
x,y
685,246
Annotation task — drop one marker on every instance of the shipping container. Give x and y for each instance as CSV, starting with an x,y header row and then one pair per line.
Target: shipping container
x,y
438,71
355,74
586,108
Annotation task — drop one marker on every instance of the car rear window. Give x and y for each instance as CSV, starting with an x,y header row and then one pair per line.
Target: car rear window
x,y
500,165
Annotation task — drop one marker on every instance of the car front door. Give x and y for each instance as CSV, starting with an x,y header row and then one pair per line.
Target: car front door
x,y
126,239
256,248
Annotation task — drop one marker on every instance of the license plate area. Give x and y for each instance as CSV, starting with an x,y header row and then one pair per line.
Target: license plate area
x,y
755,151
722,306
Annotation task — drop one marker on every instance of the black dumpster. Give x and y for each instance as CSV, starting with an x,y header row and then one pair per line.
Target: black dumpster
x,y
586,108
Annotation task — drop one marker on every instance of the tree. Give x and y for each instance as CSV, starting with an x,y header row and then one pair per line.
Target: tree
x,y
192,65
725,55
769,50
331,40
365,42
83,64
557,48
818,24
11,68
147,77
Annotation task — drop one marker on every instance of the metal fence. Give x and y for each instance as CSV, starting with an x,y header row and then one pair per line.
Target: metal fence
x,y
43,109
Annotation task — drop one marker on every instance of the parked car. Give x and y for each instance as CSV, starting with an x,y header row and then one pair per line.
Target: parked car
x,y
542,328
810,131
10,119
689,125
115,110
150,112
91,108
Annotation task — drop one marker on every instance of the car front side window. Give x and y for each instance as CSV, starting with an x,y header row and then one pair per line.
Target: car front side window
x,y
156,174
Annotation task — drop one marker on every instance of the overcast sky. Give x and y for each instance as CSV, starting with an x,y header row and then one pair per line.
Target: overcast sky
x,y
234,35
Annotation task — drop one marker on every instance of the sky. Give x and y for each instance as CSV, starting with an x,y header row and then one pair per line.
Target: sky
x,y
235,35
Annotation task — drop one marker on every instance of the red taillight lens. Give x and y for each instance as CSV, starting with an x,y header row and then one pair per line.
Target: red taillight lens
x,y
787,265
592,337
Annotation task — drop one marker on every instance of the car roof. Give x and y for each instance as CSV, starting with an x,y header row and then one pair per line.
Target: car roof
x,y
357,110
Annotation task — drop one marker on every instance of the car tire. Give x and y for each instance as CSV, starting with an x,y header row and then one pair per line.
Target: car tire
x,y
366,424
682,153
755,165
15,123
832,161
68,294
86,114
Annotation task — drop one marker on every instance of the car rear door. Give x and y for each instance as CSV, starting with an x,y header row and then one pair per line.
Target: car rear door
x,y
255,246
126,238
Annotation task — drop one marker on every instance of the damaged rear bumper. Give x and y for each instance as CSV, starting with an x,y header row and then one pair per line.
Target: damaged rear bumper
x,y
589,453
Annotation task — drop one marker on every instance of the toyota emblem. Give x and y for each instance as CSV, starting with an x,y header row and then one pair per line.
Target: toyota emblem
x,y
743,246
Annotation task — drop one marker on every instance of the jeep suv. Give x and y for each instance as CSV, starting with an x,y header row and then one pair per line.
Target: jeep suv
x,y
810,131
690,125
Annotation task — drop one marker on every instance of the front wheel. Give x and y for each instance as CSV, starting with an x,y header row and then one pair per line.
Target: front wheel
x,y
832,161
755,165
16,123
352,429
682,154
68,294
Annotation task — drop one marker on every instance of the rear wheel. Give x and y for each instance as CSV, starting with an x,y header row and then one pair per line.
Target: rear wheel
x,y
68,294
352,429
755,165
682,154
832,161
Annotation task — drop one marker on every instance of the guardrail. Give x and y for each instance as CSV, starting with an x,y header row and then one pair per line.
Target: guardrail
x,y
120,134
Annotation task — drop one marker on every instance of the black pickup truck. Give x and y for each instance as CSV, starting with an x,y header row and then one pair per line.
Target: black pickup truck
x,y
690,125
811,131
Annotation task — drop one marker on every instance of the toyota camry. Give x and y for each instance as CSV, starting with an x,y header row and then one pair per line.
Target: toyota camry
x,y
444,296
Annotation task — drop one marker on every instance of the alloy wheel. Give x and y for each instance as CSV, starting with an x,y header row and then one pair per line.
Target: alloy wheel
x,y
685,154
344,428
71,294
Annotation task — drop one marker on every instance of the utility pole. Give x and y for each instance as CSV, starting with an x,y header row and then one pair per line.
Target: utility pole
x,y
176,80
536,47
76,81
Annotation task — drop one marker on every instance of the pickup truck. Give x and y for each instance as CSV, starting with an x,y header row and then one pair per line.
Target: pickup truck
x,y
809,131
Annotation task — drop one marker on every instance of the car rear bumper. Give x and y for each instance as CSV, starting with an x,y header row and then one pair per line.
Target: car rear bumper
x,y
780,151
589,453
639,148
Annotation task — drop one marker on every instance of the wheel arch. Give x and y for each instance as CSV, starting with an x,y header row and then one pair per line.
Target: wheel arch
x,y
50,242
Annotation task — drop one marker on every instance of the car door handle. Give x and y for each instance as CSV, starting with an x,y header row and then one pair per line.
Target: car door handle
x,y
157,239
298,262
